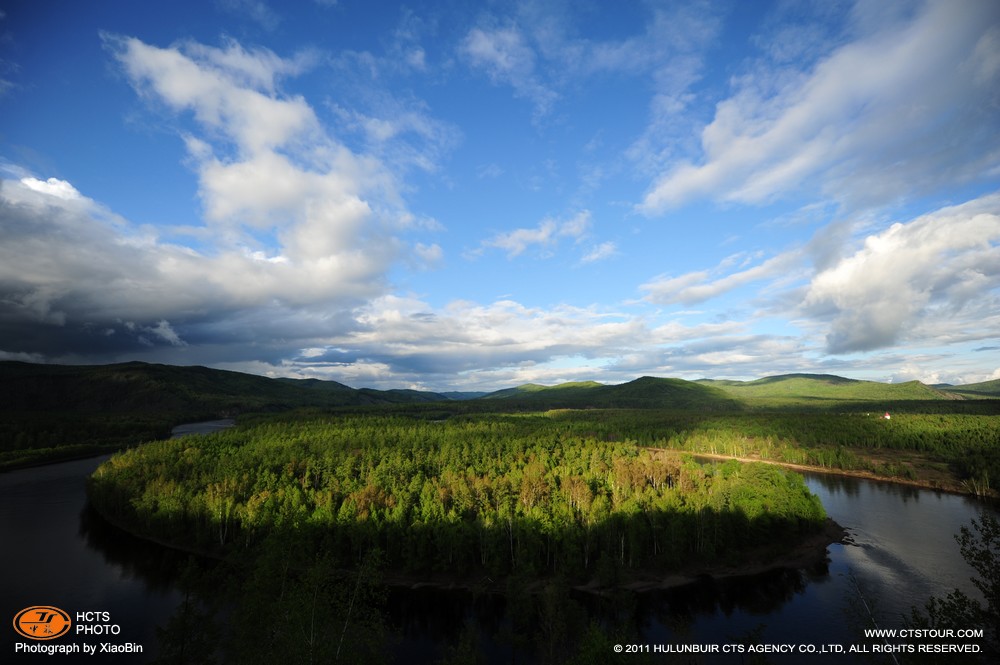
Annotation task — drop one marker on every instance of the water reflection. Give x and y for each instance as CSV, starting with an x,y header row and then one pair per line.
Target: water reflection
x,y
904,546
49,559
135,559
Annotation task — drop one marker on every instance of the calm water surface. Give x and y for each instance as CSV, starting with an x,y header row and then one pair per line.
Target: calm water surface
x,y
903,552
49,557
56,552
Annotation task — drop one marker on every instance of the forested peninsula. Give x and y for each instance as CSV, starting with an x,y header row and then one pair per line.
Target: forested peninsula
x,y
473,495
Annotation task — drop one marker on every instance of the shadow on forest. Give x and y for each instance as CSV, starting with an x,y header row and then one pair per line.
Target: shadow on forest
x,y
464,548
293,599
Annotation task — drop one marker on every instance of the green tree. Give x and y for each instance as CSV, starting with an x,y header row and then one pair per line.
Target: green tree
x,y
980,547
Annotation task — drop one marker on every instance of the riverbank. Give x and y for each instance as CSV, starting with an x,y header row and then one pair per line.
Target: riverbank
x,y
26,459
930,477
30,457
808,553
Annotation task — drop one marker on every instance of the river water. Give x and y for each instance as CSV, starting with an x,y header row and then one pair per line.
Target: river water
x,y
57,552
901,551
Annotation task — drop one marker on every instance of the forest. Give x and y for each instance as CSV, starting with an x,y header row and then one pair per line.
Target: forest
x,y
536,494
957,451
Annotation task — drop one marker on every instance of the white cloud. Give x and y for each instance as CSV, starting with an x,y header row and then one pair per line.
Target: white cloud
x,y
332,213
600,252
897,112
547,234
229,90
931,280
413,337
305,226
401,133
537,50
517,241
491,171
293,219
699,286
53,187
401,340
254,68
74,267
66,259
429,255
505,56
161,331
915,280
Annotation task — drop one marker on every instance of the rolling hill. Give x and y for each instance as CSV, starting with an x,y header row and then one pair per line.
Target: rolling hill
x,y
57,411
143,388
50,412
816,389
645,392
527,390
986,389
136,387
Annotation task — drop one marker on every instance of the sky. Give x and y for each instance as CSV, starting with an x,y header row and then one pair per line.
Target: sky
x,y
471,196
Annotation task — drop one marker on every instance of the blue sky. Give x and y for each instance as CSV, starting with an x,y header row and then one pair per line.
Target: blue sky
x,y
468,196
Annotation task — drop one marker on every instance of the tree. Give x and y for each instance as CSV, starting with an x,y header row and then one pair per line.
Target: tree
x,y
191,634
980,547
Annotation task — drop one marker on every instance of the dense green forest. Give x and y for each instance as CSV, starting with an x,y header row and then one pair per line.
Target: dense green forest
x,y
496,494
945,447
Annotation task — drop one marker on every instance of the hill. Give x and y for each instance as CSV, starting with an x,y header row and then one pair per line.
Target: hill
x,y
530,389
136,387
645,392
817,389
986,389
50,412
463,395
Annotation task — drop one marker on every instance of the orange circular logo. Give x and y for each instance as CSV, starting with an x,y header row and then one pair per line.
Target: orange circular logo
x,y
42,622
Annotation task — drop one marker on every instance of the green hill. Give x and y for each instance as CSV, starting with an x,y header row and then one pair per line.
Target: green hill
x,y
531,389
461,395
816,389
54,411
137,387
645,392
985,389
57,411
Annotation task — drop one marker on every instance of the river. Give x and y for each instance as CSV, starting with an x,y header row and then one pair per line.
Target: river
x,y
57,552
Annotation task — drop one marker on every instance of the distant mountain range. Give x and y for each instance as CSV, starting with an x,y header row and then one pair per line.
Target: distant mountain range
x,y
136,387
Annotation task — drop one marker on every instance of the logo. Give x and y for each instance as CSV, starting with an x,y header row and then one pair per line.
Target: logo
x,y
42,622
